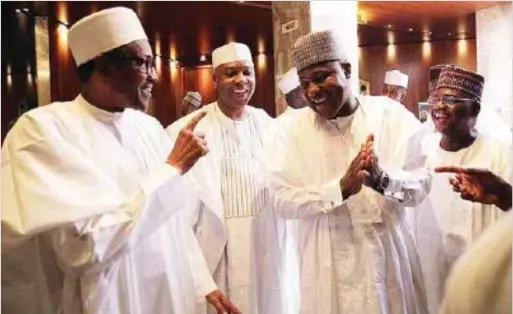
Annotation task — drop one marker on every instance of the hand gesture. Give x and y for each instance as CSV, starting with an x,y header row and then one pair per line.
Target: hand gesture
x,y
479,185
371,169
221,303
189,146
352,181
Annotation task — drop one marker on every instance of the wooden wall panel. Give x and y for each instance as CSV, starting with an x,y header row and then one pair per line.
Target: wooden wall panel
x,y
415,61
18,71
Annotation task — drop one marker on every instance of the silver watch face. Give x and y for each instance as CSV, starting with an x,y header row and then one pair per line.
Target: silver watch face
x,y
384,181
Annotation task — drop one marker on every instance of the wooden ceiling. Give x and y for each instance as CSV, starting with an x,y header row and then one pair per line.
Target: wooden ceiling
x,y
417,14
382,22
412,21
187,30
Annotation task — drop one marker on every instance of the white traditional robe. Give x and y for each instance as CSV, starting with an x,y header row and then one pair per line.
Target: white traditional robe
x,y
480,282
235,225
91,216
356,255
445,224
288,110
291,260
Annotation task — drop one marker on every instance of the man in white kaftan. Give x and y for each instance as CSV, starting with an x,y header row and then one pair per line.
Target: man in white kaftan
x,y
396,85
356,252
446,225
235,226
92,191
294,99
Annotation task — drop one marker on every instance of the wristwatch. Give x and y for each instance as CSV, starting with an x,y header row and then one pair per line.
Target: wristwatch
x,y
382,182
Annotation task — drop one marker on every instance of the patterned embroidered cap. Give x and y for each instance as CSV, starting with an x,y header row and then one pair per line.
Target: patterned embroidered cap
x,y
434,74
194,98
317,47
434,71
460,79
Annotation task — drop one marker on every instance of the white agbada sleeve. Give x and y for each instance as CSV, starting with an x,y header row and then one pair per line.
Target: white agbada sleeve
x,y
408,185
203,280
293,199
49,185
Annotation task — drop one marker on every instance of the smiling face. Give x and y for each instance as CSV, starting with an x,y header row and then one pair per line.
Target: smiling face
x,y
397,93
326,87
453,112
131,74
235,83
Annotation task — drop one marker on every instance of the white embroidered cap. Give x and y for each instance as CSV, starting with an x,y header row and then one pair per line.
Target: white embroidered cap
x,y
231,52
103,31
397,78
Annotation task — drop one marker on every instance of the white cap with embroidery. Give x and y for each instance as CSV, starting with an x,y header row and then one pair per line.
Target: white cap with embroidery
x,y
103,31
231,52
397,78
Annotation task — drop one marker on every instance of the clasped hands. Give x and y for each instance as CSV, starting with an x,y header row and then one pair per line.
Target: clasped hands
x,y
363,170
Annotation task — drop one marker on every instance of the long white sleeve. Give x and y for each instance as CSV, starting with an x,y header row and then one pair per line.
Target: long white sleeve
x,y
50,186
409,187
410,182
292,198
203,280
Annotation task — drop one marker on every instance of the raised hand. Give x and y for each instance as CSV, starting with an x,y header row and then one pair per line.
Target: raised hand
x,y
352,181
221,303
479,185
371,169
189,146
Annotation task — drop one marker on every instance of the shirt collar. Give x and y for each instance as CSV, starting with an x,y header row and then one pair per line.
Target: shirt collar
x,y
100,114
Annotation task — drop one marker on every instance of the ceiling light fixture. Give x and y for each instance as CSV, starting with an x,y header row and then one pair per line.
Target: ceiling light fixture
x,y
410,29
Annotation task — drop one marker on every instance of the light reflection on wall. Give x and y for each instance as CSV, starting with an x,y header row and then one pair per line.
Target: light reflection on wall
x,y
62,30
261,45
62,12
173,70
391,38
426,50
172,47
462,48
204,40
29,75
9,76
391,52
261,62
391,48
230,35
158,53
